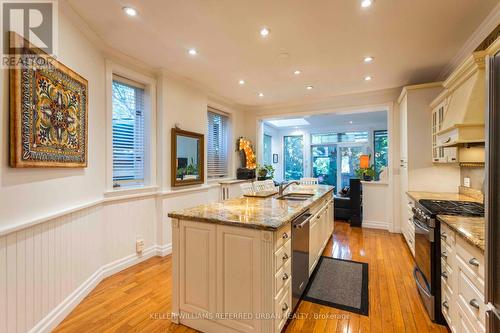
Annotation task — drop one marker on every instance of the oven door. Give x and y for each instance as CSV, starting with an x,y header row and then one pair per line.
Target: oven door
x,y
424,242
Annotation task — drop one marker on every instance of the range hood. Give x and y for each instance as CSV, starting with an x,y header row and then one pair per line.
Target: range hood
x,y
465,96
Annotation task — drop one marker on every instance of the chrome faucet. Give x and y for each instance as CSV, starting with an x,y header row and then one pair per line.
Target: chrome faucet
x,y
283,187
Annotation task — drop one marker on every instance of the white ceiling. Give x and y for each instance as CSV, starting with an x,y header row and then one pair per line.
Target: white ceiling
x,y
411,40
361,119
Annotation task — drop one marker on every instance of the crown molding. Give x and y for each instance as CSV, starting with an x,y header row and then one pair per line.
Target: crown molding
x,y
482,32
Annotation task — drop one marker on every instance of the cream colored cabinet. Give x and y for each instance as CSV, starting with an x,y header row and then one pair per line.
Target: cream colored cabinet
x,y
197,294
320,229
462,283
458,112
441,154
228,279
407,228
415,162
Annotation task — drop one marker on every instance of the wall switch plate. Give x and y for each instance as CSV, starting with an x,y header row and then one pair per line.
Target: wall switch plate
x,y
467,182
139,245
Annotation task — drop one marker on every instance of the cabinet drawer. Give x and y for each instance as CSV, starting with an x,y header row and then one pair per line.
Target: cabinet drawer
x,y
282,277
447,307
283,255
282,235
447,254
473,262
410,239
447,277
464,325
283,307
471,300
447,235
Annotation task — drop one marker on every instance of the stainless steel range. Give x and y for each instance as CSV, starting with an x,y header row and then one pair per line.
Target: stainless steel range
x,y
427,271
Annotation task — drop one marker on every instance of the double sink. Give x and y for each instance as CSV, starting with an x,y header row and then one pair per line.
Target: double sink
x,y
295,196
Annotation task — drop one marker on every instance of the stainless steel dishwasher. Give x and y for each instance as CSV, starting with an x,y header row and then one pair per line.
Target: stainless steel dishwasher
x,y
300,256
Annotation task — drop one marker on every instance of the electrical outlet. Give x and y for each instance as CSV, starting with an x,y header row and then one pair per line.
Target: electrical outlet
x,y
139,246
467,182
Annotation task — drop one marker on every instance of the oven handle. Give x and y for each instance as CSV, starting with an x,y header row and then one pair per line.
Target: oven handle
x,y
430,234
415,270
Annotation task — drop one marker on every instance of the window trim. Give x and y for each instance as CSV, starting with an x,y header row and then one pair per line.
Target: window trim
x,y
149,85
228,174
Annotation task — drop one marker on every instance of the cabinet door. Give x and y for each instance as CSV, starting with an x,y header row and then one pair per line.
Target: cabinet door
x,y
238,276
197,267
314,233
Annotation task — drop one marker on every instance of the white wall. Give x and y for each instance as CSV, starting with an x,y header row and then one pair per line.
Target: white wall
x,y
43,191
60,233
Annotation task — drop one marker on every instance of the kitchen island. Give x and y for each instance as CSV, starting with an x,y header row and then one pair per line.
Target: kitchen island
x,y
232,260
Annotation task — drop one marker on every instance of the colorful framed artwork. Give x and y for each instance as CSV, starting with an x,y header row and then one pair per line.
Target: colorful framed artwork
x,y
48,112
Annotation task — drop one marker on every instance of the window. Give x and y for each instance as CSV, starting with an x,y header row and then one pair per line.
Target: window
x,y
339,137
128,132
380,147
335,156
293,157
217,154
268,153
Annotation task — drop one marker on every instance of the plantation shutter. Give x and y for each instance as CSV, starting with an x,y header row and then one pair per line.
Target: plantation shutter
x,y
128,132
217,151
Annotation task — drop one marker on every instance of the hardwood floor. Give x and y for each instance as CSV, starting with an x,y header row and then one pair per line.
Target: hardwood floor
x,y
138,299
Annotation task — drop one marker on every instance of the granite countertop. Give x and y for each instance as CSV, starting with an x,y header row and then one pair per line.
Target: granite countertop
x,y
469,228
417,195
257,213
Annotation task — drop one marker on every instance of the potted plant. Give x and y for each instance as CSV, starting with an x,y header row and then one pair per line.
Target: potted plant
x,y
265,171
367,174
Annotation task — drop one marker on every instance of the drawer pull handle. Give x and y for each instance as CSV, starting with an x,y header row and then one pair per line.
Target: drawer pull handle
x,y
445,305
444,236
285,276
285,235
284,307
474,303
444,255
445,275
285,256
474,262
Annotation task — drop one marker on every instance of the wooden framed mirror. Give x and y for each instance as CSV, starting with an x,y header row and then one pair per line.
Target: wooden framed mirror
x,y
187,158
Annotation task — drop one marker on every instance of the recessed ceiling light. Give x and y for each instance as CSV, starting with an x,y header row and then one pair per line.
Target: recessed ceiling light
x,y
309,87
242,82
297,72
261,94
366,3
264,32
130,11
350,121
368,78
368,59
192,52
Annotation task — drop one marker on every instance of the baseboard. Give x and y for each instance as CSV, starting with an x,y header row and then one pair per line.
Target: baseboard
x,y
163,250
375,225
57,315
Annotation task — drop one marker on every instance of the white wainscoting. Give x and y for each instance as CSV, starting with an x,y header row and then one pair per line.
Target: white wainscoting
x,y
46,269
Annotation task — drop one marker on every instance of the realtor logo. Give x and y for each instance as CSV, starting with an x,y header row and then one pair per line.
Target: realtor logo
x,y
34,21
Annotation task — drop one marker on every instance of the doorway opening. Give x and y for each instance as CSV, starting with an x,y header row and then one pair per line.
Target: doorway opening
x,y
325,146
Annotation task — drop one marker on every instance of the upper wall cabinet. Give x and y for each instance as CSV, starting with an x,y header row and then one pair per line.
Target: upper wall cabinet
x,y
458,112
